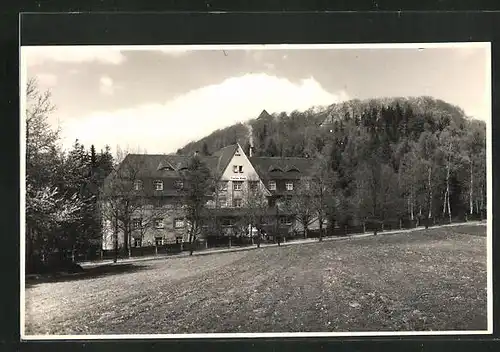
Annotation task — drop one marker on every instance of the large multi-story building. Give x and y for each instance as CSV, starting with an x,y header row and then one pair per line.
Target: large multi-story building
x,y
158,179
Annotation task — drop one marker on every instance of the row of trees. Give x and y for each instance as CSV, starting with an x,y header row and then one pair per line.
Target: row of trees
x,y
376,168
61,187
374,161
378,160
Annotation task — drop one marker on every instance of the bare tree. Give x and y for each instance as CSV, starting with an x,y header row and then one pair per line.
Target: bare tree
x,y
256,207
321,190
195,194
299,205
122,195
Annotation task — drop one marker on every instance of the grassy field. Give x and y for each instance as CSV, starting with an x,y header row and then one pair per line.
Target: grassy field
x,y
427,280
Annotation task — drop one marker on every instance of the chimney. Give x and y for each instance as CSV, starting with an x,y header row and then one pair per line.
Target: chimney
x,y
250,151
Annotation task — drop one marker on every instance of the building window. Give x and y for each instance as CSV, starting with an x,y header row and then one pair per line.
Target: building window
x,y
158,241
158,185
272,185
238,203
285,220
159,223
240,169
237,185
136,224
253,185
227,222
137,242
235,169
289,186
237,153
179,184
178,223
222,201
137,185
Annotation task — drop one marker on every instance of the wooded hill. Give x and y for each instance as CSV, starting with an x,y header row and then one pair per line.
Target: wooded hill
x,y
389,158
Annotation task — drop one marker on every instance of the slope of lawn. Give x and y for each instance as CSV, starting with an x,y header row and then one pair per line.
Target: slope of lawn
x,y
427,280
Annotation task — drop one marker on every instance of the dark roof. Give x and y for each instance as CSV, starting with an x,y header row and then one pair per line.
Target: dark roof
x,y
263,114
224,156
288,166
160,166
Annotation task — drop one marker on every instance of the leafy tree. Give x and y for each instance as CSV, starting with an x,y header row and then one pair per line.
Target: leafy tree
x,y
205,150
426,149
48,210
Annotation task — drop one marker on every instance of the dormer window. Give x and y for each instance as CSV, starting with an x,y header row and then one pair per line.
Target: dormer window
x,y
158,185
289,186
158,223
137,185
272,185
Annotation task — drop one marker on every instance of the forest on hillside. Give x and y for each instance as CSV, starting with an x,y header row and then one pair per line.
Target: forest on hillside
x,y
386,158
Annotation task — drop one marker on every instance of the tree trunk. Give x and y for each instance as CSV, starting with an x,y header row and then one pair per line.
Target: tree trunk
x,y
115,233
449,208
305,231
191,240
444,203
412,216
430,193
364,226
229,241
471,205
448,189
320,230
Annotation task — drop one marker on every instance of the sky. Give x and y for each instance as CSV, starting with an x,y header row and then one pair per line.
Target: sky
x,y
157,99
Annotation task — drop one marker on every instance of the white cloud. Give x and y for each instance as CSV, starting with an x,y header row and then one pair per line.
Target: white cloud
x,y
174,51
46,80
38,55
162,128
106,85
269,66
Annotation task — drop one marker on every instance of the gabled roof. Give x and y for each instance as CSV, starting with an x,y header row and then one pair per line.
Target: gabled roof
x,y
152,166
224,156
264,165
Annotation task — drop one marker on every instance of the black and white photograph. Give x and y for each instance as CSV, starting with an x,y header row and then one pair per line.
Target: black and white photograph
x,y
184,191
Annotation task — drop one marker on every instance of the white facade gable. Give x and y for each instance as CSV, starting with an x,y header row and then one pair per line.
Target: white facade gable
x,y
240,169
